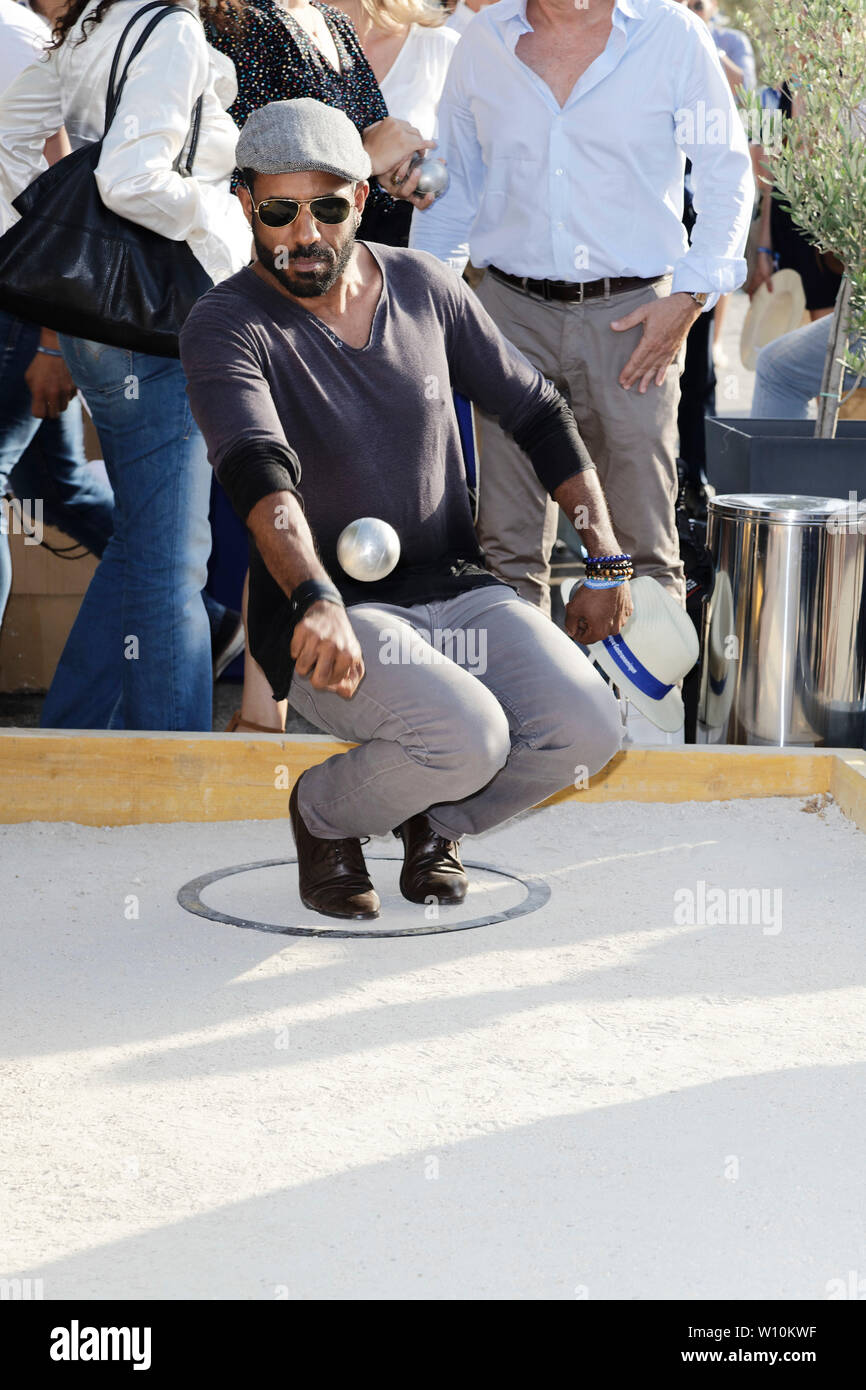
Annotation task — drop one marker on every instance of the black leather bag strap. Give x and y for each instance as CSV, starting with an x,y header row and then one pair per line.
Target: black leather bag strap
x,y
193,139
112,100
186,168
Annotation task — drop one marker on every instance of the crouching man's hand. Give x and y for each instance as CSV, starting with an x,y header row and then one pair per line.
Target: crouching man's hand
x,y
593,614
325,648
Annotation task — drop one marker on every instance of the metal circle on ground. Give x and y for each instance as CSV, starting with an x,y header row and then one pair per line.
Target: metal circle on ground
x,y
189,897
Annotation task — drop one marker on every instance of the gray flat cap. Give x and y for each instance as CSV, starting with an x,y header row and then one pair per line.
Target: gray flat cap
x,y
291,137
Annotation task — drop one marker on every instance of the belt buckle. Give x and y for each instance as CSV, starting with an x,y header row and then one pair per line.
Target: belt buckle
x,y
580,297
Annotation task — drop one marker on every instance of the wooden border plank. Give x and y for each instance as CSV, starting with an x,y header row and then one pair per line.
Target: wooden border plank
x,y
701,773
848,784
139,779
117,778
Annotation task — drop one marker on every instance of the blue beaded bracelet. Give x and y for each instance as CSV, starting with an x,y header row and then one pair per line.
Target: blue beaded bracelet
x,y
602,583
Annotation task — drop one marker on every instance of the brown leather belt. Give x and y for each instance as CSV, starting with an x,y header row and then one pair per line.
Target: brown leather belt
x,y
573,293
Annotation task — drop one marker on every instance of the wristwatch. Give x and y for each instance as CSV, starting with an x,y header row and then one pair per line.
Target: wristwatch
x,y
698,296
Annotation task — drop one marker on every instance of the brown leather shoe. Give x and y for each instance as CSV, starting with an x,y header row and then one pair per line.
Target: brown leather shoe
x,y
332,875
432,867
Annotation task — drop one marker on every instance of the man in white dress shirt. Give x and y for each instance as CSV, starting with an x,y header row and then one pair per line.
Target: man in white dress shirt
x,y
566,131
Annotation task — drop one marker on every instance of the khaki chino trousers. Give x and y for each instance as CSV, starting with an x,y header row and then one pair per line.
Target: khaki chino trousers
x,y
631,438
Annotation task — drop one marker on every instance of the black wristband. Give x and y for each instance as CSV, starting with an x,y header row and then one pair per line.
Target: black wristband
x,y
313,591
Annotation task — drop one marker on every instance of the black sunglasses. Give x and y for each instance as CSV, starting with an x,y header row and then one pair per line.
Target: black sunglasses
x,y
281,212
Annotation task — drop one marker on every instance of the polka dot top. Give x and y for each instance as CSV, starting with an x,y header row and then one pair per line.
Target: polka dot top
x,y
276,60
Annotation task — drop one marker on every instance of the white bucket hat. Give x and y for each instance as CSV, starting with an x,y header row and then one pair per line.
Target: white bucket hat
x,y
772,314
655,649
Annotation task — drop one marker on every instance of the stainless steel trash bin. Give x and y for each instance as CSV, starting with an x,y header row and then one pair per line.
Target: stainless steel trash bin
x,y
783,645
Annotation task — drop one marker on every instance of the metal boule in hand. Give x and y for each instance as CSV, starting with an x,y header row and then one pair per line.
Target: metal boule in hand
x,y
434,177
368,549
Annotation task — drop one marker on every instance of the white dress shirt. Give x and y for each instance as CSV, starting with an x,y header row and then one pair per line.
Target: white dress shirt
x,y
151,127
593,188
460,17
23,36
413,84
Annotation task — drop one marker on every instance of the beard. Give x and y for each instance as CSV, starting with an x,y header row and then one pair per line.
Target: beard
x,y
306,284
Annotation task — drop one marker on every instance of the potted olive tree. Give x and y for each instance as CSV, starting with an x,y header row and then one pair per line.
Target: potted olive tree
x,y
817,161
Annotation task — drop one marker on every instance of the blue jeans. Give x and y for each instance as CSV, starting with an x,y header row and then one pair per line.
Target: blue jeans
x,y
790,370
139,653
43,460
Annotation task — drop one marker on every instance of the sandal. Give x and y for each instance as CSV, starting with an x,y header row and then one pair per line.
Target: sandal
x,y
237,725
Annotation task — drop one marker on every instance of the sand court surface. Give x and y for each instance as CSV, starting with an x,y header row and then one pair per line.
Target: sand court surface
x,y
650,1086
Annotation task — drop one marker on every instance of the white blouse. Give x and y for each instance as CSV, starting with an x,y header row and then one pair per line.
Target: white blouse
x,y
135,174
414,82
23,35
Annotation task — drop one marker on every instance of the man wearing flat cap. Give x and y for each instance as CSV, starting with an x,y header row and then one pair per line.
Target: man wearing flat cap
x,y
322,378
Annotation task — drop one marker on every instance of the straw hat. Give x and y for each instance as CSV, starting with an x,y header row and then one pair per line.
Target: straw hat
x,y
771,314
655,649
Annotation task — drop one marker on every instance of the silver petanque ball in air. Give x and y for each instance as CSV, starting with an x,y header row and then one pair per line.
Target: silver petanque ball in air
x,y
434,177
368,549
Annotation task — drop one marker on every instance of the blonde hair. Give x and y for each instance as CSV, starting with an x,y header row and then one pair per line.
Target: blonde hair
x,y
391,15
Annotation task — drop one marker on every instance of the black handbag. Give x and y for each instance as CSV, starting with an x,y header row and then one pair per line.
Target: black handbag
x,y
73,265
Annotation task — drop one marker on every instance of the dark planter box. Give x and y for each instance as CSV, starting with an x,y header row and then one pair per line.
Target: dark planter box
x,y
777,456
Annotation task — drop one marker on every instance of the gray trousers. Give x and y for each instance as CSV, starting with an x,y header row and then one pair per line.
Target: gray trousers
x,y
471,708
